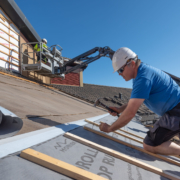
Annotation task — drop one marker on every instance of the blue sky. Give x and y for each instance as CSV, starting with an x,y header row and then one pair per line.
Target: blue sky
x,y
150,28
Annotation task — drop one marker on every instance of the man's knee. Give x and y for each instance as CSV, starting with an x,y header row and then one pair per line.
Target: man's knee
x,y
149,148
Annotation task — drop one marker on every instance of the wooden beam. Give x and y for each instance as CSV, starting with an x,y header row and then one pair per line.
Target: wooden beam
x,y
8,55
9,34
9,21
9,48
58,165
9,41
122,156
2,17
125,135
116,131
9,62
132,146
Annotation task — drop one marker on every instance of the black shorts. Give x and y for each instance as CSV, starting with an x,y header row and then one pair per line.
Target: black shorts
x,y
165,128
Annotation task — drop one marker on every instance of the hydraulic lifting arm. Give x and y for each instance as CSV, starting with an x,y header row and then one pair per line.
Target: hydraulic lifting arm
x,y
56,65
84,59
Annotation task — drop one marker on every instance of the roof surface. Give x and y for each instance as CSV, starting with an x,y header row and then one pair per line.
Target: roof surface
x,y
40,107
88,158
48,113
110,96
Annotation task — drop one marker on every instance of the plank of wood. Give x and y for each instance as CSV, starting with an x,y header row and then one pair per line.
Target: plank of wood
x,y
124,135
9,48
149,126
9,62
119,129
118,133
58,165
9,41
121,156
132,146
2,17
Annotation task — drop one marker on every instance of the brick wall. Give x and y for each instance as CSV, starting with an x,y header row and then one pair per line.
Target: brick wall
x,y
70,79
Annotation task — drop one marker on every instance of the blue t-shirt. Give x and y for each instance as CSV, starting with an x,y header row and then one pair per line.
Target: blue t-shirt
x,y
160,91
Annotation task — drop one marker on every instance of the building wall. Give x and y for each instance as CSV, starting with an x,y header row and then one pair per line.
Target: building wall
x,y
11,58
28,49
70,79
9,43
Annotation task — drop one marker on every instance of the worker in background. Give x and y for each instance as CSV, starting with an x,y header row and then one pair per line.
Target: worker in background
x,y
158,91
37,49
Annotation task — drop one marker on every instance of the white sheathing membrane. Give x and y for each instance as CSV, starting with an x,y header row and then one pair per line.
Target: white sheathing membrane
x,y
14,54
4,35
4,42
4,49
13,67
14,61
4,64
5,22
3,27
7,28
14,41
1,12
14,34
12,46
4,56
13,27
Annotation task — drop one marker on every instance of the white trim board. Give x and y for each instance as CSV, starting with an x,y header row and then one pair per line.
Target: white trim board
x,y
23,141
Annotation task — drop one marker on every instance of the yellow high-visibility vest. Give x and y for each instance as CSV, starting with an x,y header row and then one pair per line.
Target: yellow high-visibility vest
x,y
37,48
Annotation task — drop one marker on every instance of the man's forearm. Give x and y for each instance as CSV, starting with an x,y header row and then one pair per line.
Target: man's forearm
x,y
122,108
125,117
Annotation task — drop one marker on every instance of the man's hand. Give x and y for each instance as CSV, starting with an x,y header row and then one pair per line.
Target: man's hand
x,y
104,127
114,113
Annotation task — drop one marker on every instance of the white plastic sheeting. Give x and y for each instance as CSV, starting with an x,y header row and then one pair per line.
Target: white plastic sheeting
x,y
14,54
13,67
14,34
4,42
12,46
4,56
4,49
8,38
3,27
13,27
7,28
14,41
3,64
4,35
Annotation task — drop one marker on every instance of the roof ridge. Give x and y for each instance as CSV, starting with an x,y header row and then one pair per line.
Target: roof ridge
x,y
107,86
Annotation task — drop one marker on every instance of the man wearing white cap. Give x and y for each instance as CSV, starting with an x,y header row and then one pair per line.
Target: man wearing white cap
x,y
158,91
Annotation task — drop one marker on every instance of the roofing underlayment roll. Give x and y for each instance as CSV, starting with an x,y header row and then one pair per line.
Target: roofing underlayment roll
x,y
10,124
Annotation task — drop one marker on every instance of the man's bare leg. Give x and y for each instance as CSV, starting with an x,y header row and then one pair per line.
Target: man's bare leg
x,y
166,148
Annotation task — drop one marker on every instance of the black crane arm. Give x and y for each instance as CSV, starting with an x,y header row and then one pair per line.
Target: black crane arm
x,y
85,59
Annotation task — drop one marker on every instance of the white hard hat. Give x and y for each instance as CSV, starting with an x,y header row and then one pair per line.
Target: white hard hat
x,y
121,56
44,40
